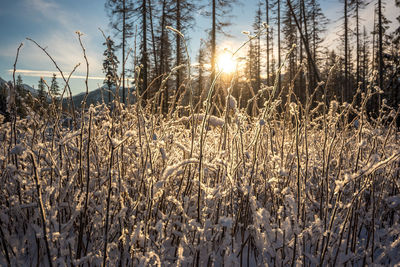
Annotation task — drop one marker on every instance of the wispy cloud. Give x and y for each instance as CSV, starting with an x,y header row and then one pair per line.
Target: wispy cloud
x,y
49,74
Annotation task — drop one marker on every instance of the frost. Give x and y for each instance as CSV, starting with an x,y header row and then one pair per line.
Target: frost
x,y
251,201
173,168
232,102
393,202
18,150
226,222
212,120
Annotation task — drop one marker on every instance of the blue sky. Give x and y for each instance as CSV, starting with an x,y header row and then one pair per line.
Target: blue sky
x,y
53,23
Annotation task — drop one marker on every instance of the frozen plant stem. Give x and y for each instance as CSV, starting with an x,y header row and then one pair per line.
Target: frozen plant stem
x,y
40,204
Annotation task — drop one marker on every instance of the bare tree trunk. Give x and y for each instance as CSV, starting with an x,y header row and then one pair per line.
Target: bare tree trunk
x,y
380,26
178,50
144,50
267,21
162,56
357,3
153,38
345,87
123,51
213,41
279,44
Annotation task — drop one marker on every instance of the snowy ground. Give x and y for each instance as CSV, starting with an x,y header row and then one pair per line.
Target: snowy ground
x,y
301,187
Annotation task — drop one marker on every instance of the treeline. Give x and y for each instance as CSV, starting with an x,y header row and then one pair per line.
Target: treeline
x,y
363,60
38,100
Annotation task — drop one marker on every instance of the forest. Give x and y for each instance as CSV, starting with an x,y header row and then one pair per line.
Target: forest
x,y
281,151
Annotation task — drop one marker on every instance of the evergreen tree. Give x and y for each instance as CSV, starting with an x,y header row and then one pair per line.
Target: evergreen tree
x,y
268,41
290,34
164,48
278,22
121,20
358,6
201,58
257,26
110,66
20,97
318,23
41,92
183,16
54,88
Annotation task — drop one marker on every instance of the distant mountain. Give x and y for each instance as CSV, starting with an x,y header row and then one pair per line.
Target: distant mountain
x,y
33,91
2,81
94,97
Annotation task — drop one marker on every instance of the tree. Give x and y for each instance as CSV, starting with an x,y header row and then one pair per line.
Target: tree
x,y
380,49
42,92
54,88
20,97
257,26
268,37
290,34
201,58
164,51
278,22
110,66
141,13
183,17
220,10
318,27
358,6
345,87
120,13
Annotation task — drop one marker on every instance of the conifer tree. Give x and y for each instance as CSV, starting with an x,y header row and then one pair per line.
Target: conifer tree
x,y
121,20
54,88
164,48
257,26
268,37
20,97
42,92
183,20
110,65
358,6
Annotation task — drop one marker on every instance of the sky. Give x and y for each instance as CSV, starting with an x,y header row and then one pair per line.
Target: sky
x,y
53,24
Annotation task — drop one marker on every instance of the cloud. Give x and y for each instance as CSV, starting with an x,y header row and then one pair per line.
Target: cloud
x,y
49,74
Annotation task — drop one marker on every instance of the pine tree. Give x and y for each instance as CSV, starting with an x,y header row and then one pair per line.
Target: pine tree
x,y
278,22
121,17
318,23
345,87
42,93
183,16
257,26
290,34
20,97
268,41
201,58
164,51
358,6
110,66
54,88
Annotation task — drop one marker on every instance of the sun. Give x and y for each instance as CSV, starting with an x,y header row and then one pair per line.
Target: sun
x,y
226,63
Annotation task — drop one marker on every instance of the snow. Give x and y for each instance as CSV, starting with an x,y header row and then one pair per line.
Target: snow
x,y
239,207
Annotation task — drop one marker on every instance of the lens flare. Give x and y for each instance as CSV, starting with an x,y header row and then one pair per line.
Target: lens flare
x,y
226,63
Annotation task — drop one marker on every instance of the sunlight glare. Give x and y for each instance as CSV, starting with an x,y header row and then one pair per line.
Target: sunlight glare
x,y
226,63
